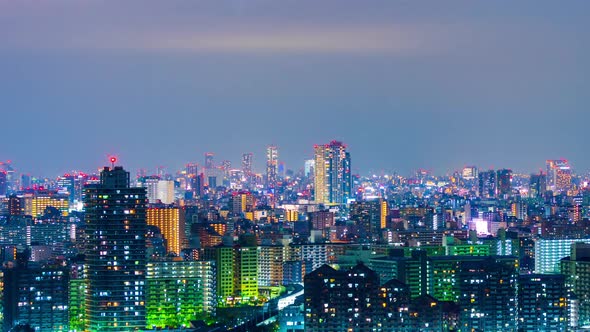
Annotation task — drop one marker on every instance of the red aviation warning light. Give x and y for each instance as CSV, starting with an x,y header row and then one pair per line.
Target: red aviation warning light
x,y
113,160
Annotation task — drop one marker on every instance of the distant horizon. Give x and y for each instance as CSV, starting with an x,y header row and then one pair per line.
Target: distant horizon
x,y
404,84
259,169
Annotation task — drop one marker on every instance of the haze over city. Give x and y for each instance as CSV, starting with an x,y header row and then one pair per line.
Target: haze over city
x,y
405,84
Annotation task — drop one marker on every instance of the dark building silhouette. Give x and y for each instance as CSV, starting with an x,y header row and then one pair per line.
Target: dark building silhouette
x,y
36,295
542,302
487,295
116,253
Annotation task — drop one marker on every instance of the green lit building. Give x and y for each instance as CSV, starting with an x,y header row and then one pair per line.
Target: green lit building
x,y
179,292
237,272
246,272
76,300
225,262
468,250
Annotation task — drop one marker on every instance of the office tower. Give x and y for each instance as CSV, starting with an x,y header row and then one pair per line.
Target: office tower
x,y
559,175
538,185
171,222
487,296
272,166
116,253
469,173
576,269
209,160
504,178
36,295
548,253
332,174
487,185
179,292
542,302
247,159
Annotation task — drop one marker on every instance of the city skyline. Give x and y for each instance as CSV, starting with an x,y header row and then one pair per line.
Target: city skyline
x,y
406,85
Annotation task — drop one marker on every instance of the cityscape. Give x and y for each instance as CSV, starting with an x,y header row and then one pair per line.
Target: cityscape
x,y
294,166
222,247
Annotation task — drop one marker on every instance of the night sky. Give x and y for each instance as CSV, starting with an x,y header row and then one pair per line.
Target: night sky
x,y
406,84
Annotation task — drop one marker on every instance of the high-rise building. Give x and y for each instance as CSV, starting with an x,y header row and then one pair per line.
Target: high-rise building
x,y
487,186
116,253
179,292
332,174
487,295
209,160
36,295
559,175
548,253
272,166
246,272
469,173
576,269
369,216
504,177
270,265
171,222
3,183
247,163
242,202
542,302
308,168
538,185
341,300
151,185
355,300
165,193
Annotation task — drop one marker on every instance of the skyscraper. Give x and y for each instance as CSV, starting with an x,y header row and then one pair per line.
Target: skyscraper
x,y
487,185
247,163
504,177
209,160
559,175
272,166
115,255
538,185
332,173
